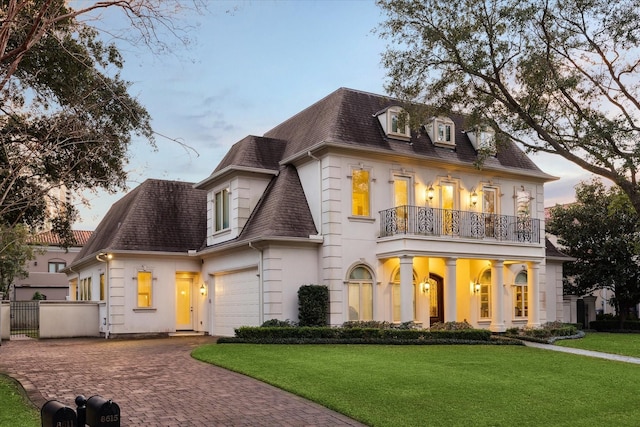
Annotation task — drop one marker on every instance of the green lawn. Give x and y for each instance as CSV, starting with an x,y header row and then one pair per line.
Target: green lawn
x,y
444,385
15,409
624,344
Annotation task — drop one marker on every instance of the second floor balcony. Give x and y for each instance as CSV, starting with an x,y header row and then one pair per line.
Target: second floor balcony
x,y
427,221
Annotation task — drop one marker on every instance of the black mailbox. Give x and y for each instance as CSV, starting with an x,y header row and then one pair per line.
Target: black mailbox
x,y
101,412
55,414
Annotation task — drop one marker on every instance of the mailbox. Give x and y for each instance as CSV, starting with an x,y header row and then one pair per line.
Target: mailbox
x,y
101,412
55,414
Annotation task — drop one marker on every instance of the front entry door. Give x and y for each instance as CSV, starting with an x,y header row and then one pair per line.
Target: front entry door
x,y
184,304
436,299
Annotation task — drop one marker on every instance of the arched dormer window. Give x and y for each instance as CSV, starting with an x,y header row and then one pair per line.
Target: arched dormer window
x,y
395,123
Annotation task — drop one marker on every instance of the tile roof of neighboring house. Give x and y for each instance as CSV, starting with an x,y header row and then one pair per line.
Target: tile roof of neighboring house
x,y
348,117
158,215
282,211
50,238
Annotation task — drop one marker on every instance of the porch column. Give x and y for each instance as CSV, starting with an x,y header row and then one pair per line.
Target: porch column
x,y
406,288
533,287
497,296
450,298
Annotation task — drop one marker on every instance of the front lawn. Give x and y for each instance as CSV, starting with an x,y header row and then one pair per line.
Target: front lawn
x,y
15,409
616,343
437,385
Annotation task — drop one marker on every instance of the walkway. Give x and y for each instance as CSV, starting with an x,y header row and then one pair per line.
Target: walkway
x,y
581,352
156,383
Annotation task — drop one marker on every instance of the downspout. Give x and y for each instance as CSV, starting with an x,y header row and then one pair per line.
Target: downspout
x,y
319,189
107,290
260,284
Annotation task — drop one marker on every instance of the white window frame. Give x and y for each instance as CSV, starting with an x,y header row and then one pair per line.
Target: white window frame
x,y
151,290
522,289
352,283
393,120
485,289
435,132
357,168
220,211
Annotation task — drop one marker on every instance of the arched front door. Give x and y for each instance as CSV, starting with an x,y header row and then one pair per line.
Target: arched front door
x,y
436,299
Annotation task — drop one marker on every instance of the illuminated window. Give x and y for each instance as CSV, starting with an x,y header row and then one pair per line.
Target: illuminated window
x,y
84,290
144,289
221,209
521,307
360,192
360,294
485,294
102,287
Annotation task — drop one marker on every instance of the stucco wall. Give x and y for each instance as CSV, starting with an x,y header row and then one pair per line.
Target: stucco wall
x,y
68,319
4,320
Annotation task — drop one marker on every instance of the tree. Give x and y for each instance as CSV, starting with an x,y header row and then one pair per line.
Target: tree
x,y
601,232
15,252
557,76
67,118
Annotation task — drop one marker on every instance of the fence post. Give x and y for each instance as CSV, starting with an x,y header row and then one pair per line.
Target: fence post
x,y
1,295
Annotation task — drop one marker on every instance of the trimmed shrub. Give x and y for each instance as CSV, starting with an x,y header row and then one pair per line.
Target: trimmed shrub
x,y
313,305
277,323
608,325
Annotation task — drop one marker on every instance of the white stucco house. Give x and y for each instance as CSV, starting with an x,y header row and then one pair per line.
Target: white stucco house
x,y
400,224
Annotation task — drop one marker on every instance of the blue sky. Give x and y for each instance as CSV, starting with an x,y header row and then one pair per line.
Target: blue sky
x,y
248,70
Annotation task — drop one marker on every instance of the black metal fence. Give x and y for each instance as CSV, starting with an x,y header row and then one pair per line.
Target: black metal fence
x,y
420,220
25,319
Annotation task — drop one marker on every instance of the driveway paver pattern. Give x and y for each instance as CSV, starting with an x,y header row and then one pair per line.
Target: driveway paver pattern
x,y
156,383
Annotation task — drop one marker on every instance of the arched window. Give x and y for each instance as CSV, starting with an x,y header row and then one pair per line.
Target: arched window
x,y
360,293
520,295
485,294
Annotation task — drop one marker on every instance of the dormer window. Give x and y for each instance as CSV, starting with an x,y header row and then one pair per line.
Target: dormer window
x,y
395,122
442,132
483,139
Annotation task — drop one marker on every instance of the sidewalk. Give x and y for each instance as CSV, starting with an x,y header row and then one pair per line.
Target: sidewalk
x,y
155,382
581,352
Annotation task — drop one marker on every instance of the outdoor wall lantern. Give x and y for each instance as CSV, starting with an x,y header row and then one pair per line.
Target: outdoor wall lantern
x,y
476,288
474,197
430,193
203,290
103,257
424,286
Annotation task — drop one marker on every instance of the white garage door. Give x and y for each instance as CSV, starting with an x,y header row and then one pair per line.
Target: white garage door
x,y
236,301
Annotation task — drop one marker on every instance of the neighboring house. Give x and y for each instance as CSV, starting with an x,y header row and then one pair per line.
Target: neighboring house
x,y
45,274
400,225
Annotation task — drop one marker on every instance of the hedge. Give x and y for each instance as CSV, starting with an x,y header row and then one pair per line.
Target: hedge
x,y
368,335
615,325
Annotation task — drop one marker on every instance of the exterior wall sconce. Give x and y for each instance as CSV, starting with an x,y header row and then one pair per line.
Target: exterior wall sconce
x,y
203,290
430,193
104,257
474,198
424,285
476,288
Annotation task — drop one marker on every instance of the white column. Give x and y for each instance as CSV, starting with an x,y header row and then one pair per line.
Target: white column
x,y
450,297
497,296
533,288
406,288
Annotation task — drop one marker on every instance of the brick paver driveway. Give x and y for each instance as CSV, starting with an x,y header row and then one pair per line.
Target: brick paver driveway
x,y
156,383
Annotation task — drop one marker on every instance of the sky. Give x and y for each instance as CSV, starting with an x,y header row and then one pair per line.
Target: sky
x,y
250,66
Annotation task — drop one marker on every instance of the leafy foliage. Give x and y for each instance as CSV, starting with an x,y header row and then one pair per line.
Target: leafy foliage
x,y
601,232
15,252
558,77
313,305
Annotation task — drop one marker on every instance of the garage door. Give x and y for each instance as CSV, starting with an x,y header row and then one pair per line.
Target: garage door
x,y
236,301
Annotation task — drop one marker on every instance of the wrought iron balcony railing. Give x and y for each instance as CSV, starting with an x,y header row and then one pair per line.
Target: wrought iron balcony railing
x,y
426,221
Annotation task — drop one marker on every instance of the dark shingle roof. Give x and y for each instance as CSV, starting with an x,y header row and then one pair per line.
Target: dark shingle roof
x,y
282,211
348,117
552,252
254,152
158,215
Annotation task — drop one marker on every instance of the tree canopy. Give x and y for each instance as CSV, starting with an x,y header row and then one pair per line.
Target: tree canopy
x,y
66,116
601,232
557,76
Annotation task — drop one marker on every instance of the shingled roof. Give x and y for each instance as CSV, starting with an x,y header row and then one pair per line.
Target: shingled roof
x,y
158,215
348,117
269,219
